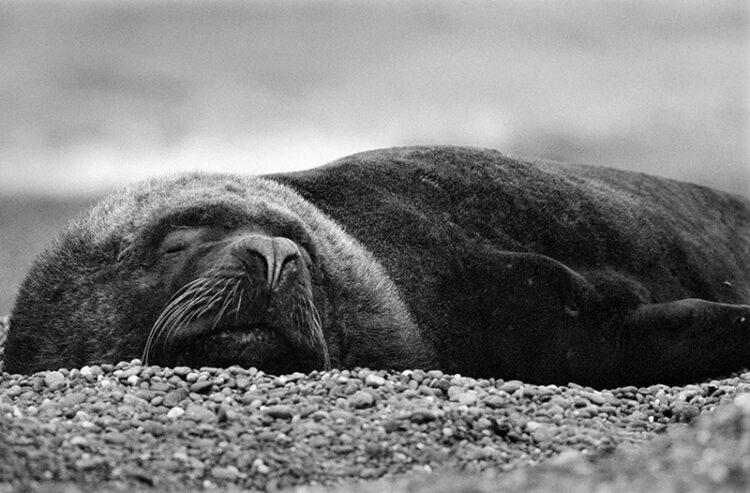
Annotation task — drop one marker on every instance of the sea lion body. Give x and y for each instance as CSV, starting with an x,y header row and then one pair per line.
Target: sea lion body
x,y
453,258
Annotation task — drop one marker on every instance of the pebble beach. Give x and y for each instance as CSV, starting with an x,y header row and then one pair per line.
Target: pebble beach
x,y
130,427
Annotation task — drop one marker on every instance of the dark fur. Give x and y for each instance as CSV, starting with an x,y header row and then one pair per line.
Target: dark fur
x,y
545,272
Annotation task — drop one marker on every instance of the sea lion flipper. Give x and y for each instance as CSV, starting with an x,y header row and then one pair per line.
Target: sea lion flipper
x,y
685,339
513,314
541,321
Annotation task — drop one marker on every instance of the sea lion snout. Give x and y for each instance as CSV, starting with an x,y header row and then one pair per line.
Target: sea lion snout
x,y
241,296
264,257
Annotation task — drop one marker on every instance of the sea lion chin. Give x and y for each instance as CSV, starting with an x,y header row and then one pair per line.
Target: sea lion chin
x,y
460,259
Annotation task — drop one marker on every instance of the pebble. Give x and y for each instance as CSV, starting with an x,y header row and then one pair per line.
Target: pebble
x,y
361,399
684,412
229,473
13,391
175,412
594,398
261,467
127,373
115,437
174,397
280,411
374,380
467,398
319,442
341,416
510,386
154,428
72,398
78,441
54,380
391,425
134,400
495,401
88,463
422,416
181,371
198,412
201,386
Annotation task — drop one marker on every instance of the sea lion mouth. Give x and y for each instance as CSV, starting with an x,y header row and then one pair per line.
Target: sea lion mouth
x,y
246,345
211,322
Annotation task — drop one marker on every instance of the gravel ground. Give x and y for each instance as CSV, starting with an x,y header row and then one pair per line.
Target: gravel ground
x,y
127,427
711,454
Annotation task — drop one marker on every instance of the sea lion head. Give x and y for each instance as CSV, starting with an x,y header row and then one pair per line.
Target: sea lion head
x,y
242,292
209,270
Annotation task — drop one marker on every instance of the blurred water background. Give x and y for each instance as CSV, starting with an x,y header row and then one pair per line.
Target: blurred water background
x,y
98,93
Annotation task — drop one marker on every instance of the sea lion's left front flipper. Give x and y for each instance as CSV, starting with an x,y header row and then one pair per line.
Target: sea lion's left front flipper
x,y
526,316
530,317
685,341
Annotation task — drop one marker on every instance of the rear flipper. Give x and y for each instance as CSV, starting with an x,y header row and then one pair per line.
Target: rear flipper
x,y
684,341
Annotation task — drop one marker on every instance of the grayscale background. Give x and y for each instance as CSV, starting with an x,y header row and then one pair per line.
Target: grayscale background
x,y
97,93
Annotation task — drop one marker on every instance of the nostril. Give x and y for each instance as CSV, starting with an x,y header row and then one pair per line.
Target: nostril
x,y
288,259
265,256
286,252
255,252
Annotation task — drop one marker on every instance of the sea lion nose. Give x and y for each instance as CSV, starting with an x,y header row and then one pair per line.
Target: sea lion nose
x,y
276,252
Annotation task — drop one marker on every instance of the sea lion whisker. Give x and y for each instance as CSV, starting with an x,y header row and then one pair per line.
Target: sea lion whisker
x,y
181,318
233,293
227,301
198,308
182,313
239,304
317,338
204,294
177,323
212,301
232,296
306,324
173,301
189,310
153,334
206,302
176,309
181,294
181,301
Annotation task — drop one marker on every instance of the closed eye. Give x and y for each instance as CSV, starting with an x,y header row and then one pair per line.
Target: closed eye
x,y
179,240
174,248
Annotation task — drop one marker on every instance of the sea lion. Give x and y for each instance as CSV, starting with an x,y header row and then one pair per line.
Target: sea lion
x,y
461,259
